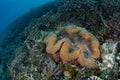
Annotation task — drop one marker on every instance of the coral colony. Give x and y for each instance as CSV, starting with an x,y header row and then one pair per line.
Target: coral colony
x,y
73,44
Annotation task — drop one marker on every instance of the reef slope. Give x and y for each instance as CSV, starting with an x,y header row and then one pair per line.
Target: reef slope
x,y
23,53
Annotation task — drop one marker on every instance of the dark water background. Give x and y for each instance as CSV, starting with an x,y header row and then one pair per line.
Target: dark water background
x,y
12,9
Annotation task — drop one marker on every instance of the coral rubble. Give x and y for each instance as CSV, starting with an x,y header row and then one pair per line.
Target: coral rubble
x,y
94,78
72,43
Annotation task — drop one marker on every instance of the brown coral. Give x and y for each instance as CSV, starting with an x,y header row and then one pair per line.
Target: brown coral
x,y
74,44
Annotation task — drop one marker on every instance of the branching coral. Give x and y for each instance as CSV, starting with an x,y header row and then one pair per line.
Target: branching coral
x,y
73,43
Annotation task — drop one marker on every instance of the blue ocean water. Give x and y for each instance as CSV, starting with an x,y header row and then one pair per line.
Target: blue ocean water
x,y
12,9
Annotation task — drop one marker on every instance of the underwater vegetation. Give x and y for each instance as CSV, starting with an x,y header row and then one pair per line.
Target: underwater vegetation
x,y
64,40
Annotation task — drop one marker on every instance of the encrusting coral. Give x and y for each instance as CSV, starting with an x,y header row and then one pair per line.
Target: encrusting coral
x,y
73,43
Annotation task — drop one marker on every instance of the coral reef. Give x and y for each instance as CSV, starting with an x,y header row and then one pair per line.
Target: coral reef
x,y
40,65
23,54
85,46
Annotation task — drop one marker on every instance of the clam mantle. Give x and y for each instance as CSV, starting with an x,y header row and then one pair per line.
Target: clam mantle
x,y
72,44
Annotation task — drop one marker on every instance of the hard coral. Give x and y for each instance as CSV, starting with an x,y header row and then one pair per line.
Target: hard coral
x,y
73,43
